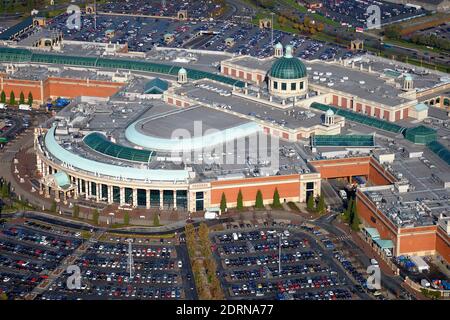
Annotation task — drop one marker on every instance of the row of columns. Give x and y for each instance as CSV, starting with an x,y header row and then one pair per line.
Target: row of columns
x,y
110,194
84,189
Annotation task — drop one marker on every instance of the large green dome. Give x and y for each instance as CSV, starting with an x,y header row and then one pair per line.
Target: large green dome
x,y
288,67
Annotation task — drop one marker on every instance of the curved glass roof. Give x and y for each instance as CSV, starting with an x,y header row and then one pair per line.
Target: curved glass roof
x,y
14,55
98,142
191,143
342,140
440,150
95,167
360,118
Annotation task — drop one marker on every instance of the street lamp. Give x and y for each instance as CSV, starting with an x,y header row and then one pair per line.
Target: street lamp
x,y
281,236
272,14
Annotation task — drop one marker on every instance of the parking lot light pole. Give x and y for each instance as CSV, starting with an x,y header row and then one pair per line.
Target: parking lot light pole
x,y
272,13
130,258
280,235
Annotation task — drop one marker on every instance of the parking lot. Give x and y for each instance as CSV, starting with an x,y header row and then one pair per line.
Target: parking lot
x,y
143,33
248,262
353,12
105,274
11,125
196,9
29,252
32,250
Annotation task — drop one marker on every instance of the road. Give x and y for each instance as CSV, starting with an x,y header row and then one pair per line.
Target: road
x,y
391,283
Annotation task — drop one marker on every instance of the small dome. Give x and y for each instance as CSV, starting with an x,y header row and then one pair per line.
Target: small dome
x,y
182,71
279,46
288,67
408,77
329,113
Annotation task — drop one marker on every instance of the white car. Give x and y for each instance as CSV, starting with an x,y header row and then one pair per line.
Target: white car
x,y
180,264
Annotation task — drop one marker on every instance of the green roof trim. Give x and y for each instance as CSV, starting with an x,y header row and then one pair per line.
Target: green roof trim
x,y
156,86
288,68
360,118
342,140
421,134
15,55
384,244
98,142
440,150
372,232
62,179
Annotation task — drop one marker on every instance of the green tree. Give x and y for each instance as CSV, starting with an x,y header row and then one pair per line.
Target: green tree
x,y
156,220
321,207
22,98
240,202
53,206
30,98
95,216
223,203
3,97
12,98
346,215
276,199
259,203
5,190
76,211
393,31
352,211
356,222
3,296
310,203
126,218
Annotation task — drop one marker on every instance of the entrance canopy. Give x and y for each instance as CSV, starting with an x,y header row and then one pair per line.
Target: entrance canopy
x,y
384,244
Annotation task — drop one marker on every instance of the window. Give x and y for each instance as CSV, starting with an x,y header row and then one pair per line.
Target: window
x,y
199,204
284,86
293,86
141,197
301,85
93,189
309,185
182,199
116,194
154,198
275,85
168,199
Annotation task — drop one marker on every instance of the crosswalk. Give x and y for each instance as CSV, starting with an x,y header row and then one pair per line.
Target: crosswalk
x,y
343,238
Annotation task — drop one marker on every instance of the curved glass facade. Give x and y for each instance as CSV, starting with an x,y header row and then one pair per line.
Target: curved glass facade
x,y
76,161
193,143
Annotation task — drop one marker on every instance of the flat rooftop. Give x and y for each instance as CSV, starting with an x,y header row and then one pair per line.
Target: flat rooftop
x,y
34,72
374,86
302,118
365,85
426,198
191,119
113,117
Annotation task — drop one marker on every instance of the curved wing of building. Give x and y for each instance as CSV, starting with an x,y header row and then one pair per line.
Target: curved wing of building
x,y
189,143
95,167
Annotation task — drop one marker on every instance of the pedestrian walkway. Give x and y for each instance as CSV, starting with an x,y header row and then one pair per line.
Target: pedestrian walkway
x,y
68,261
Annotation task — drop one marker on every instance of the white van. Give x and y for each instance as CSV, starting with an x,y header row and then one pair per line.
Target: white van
x,y
235,236
24,107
